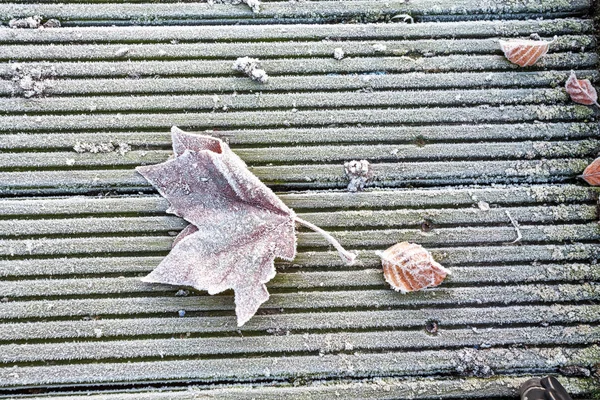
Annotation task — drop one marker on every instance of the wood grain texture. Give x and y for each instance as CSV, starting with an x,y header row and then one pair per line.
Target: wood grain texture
x,y
460,142
375,388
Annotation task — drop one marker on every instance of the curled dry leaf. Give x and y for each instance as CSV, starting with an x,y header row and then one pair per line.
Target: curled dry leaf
x,y
408,267
581,90
238,225
524,52
592,173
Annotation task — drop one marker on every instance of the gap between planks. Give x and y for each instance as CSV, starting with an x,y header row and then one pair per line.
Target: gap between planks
x,y
320,66
353,389
407,363
317,11
281,324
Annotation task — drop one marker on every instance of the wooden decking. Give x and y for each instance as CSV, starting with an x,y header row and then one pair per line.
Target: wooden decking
x,y
460,142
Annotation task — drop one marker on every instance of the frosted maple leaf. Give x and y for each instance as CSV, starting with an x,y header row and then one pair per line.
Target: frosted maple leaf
x,y
238,225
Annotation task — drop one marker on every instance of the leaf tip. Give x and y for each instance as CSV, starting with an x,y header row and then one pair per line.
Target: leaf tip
x,y
148,279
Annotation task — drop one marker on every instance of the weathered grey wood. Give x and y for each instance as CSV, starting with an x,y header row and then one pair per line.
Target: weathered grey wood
x,y
405,81
291,117
278,324
318,10
327,65
309,176
323,154
408,363
318,100
440,105
324,48
310,300
296,136
366,218
132,350
299,32
367,278
376,389
372,199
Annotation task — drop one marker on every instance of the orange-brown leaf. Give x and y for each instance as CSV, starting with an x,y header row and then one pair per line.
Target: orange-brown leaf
x,y
581,90
524,52
408,267
592,173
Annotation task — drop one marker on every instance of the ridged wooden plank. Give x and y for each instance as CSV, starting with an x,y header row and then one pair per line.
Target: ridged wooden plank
x,y
74,313
375,389
409,363
279,11
310,300
371,199
246,33
302,83
325,48
362,239
449,256
309,176
400,64
482,114
297,136
281,324
238,102
349,219
367,278
309,343
320,154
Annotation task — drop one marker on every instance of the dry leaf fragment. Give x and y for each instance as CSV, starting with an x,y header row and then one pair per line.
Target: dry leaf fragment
x,y
524,52
581,90
238,225
592,173
408,267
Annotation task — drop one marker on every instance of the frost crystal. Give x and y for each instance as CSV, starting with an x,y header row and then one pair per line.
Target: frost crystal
x,y
251,68
25,23
359,173
253,4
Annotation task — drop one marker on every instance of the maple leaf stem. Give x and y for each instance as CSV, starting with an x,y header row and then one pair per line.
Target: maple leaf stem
x,y
345,255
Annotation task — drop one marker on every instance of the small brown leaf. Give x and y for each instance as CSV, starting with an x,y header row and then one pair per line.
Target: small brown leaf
x,y
524,52
581,90
408,267
592,173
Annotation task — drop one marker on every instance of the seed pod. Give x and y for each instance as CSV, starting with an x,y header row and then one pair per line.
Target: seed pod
x,y
408,267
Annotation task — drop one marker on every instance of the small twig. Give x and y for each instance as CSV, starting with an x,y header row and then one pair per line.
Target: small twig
x,y
345,255
516,225
405,18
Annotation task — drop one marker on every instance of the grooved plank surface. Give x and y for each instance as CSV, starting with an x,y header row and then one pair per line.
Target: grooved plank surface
x,y
460,141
